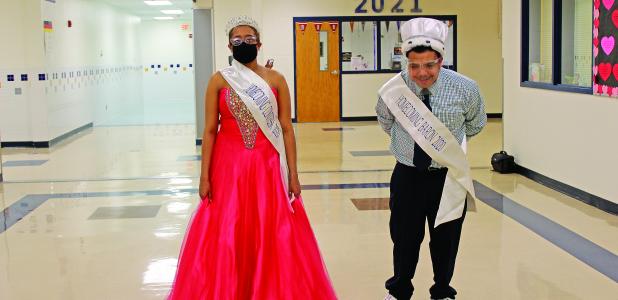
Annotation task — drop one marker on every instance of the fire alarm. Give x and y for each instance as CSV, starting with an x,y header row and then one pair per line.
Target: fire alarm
x,y
70,23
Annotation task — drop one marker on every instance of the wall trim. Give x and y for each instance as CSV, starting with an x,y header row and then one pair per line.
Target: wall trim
x,y
24,144
75,131
349,119
557,87
374,118
45,144
583,196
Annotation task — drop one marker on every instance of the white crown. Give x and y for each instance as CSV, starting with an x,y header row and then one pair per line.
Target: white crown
x,y
239,21
424,32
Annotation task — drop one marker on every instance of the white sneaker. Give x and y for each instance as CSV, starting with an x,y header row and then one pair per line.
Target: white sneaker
x,y
389,297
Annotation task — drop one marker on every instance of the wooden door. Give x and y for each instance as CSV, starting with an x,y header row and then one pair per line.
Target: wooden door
x,y
317,72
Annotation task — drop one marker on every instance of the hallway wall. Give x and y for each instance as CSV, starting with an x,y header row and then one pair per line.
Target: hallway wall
x,y
21,35
479,42
167,58
87,73
101,39
568,137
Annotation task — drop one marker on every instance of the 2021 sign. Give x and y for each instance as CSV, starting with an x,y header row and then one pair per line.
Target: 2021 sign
x,y
377,6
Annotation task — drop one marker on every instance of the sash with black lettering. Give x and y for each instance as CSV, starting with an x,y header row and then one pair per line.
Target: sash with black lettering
x,y
261,102
437,141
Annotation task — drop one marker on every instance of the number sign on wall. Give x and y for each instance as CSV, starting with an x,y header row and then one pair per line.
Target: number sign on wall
x,y
378,6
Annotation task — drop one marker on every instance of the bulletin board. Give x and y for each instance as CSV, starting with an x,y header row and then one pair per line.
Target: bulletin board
x,y
605,52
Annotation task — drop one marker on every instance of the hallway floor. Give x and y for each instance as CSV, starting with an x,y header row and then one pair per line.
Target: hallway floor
x,y
102,216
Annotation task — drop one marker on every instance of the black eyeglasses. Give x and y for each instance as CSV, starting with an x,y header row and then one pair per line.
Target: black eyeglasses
x,y
249,40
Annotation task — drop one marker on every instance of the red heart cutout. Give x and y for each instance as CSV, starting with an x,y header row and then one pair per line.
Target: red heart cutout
x,y
597,4
596,23
615,18
605,70
595,42
616,71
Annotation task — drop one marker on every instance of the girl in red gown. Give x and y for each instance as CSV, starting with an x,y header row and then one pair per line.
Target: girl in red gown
x,y
245,240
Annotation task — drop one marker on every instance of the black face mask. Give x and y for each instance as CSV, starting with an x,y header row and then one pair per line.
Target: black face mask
x,y
244,53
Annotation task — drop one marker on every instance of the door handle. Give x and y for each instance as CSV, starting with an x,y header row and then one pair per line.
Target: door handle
x,y
335,72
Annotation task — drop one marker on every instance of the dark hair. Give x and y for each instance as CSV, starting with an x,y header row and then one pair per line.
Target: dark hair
x,y
422,49
257,33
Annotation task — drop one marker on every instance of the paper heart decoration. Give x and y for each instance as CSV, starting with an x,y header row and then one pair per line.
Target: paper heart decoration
x,y
605,70
615,18
597,3
595,42
615,71
596,13
595,32
608,4
597,22
607,43
595,70
595,52
604,89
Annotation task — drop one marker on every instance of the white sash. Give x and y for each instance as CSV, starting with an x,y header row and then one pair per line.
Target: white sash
x,y
261,102
438,142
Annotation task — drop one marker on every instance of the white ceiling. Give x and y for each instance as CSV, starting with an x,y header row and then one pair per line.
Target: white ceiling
x,y
140,9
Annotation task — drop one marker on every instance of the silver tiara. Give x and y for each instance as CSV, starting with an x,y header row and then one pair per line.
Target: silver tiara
x,y
239,21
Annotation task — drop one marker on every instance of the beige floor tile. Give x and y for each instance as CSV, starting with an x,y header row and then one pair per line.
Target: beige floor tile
x,y
57,252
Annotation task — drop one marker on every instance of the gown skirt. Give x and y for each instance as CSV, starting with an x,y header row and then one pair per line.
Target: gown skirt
x,y
248,242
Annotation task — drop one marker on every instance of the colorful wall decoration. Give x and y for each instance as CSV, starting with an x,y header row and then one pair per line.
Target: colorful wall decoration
x,y
605,52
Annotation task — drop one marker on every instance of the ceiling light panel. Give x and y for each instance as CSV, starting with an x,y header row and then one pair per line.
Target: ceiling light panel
x,y
172,11
158,2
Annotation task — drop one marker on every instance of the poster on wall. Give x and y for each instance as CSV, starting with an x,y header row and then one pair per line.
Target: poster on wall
x,y
605,69
48,30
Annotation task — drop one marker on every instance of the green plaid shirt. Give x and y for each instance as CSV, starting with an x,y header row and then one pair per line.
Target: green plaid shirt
x,y
455,100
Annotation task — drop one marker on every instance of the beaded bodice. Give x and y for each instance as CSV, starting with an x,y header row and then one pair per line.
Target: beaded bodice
x,y
233,109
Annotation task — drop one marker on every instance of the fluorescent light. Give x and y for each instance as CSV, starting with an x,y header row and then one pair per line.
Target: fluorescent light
x,y
172,11
158,2
164,18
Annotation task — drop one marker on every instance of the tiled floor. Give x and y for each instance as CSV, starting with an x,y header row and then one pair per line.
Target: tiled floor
x,y
104,218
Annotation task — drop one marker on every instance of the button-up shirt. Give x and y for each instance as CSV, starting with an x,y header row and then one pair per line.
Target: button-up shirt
x,y
455,100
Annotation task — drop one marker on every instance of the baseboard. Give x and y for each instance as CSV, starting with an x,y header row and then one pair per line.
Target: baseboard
x,y
350,119
45,144
347,119
69,134
28,144
596,201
